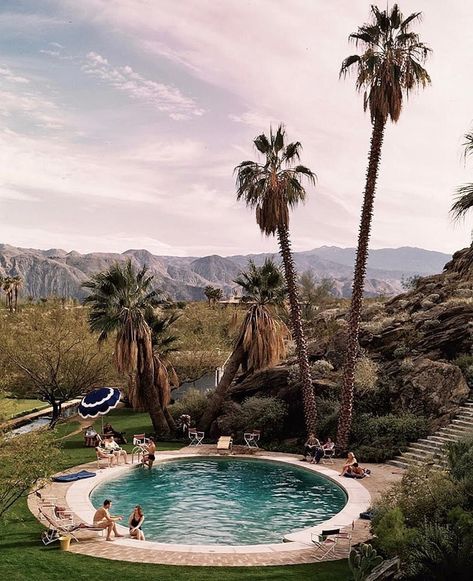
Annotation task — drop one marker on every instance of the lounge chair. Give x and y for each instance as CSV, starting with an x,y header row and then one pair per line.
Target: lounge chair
x,y
61,523
45,500
104,455
328,540
195,437
224,444
252,438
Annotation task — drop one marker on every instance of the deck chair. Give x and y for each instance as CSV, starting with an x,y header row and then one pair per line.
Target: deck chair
x,y
195,437
44,499
224,444
102,455
328,540
252,438
62,525
329,455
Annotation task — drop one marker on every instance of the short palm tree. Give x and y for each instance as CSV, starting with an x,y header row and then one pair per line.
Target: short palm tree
x,y
7,283
464,195
273,187
260,342
120,301
17,283
387,71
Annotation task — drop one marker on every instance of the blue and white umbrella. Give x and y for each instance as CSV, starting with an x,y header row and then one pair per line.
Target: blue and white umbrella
x,y
99,402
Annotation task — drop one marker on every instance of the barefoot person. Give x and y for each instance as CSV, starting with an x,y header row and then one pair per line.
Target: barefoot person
x,y
111,446
149,456
103,519
135,523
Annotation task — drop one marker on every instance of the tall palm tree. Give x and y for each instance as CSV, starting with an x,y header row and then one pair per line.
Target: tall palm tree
x,y
388,69
272,188
464,194
120,302
260,340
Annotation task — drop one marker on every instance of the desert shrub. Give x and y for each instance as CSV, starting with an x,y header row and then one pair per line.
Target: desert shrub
x,y
327,410
366,374
392,534
377,438
401,351
192,403
460,459
321,367
262,413
422,494
465,363
376,326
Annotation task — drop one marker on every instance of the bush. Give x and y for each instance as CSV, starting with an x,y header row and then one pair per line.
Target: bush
x,y
465,363
377,438
260,413
366,375
321,367
392,534
460,458
192,403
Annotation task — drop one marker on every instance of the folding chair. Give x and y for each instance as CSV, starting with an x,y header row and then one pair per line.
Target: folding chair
x,y
328,540
329,455
195,437
252,438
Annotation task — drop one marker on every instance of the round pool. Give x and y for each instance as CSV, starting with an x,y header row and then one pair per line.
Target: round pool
x,y
224,501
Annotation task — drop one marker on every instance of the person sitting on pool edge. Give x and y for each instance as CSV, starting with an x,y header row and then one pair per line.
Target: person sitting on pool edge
x,y
348,463
103,519
135,523
149,456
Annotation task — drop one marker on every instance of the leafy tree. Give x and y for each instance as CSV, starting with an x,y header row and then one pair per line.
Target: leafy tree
x,y
387,71
121,302
51,355
260,340
272,188
313,293
213,294
25,460
410,282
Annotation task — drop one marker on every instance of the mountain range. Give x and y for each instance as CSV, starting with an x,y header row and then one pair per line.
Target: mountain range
x,y
60,273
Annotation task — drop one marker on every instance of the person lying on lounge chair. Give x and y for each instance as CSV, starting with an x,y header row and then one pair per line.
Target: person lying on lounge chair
x,y
110,445
103,519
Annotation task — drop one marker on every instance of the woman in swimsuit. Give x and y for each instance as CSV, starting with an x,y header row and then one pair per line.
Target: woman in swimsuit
x,y
135,523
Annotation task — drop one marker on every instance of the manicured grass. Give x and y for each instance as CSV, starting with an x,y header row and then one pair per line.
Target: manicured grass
x,y
22,556
12,407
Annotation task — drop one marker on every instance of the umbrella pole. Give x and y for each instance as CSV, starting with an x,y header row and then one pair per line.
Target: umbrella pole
x,y
102,424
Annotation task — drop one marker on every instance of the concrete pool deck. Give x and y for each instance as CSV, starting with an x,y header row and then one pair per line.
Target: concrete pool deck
x,y
297,547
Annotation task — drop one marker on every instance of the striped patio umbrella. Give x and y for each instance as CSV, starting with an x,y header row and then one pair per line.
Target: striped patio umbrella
x,y
99,402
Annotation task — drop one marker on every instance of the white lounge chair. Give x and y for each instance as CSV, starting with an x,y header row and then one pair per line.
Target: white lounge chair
x,y
224,444
329,454
62,525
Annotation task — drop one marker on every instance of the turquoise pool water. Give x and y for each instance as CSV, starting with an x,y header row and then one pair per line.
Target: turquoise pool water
x,y
225,501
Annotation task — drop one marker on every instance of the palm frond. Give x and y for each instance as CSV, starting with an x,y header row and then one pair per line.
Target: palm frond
x,y
463,202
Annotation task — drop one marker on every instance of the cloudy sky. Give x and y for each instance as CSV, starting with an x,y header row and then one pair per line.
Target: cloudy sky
x,y
121,122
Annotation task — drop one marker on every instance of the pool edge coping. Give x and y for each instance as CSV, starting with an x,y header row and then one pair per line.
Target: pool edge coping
x,y
358,500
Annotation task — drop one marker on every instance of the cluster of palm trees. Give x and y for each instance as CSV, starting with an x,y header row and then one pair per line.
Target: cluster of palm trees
x,y
124,304
11,286
389,67
213,294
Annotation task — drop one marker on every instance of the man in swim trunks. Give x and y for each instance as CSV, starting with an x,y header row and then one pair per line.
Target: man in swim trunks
x,y
150,457
103,519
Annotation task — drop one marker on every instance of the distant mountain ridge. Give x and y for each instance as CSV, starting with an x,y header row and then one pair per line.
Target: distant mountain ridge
x,y
61,273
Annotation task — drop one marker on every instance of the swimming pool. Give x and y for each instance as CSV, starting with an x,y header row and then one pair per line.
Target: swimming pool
x,y
224,501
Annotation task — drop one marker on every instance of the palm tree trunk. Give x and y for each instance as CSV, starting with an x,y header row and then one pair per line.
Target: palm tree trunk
x,y
215,404
308,396
145,385
346,407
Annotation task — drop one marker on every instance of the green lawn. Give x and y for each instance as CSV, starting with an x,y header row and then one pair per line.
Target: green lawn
x,y
12,407
23,557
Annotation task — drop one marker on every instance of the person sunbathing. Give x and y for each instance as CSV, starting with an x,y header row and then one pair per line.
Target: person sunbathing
x,y
103,519
349,462
356,471
106,455
112,446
